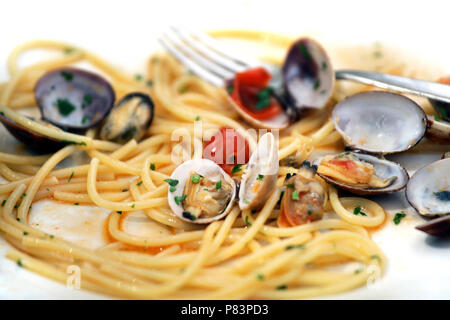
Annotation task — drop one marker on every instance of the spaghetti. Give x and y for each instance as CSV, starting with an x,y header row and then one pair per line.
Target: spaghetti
x,y
244,256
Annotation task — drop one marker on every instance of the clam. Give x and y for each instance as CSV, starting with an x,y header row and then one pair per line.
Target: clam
x,y
362,174
379,122
308,75
304,198
308,82
201,192
73,99
428,192
36,141
129,119
374,122
69,99
255,100
260,176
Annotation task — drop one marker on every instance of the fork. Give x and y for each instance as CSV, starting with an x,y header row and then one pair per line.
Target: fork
x,y
210,60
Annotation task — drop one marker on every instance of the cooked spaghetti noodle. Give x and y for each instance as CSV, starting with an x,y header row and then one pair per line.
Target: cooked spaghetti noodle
x,y
244,256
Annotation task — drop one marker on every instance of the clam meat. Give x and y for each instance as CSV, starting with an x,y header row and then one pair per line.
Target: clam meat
x,y
200,191
304,198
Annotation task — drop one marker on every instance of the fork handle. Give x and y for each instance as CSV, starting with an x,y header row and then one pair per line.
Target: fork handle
x,y
432,90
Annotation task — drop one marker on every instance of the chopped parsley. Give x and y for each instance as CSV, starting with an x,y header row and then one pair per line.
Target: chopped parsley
x,y
297,246
87,98
197,118
304,51
188,215
442,195
282,287
195,178
119,212
290,185
375,256
230,88
171,182
85,119
65,107
180,199
263,97
437,117
357,271
16,206
247,222
398,217
69,50
76,203
3,203
183,89
52,236
68,76
357,211
377,54
295,195
24,195
152,166
316,84
124,190
139,183
133,205
443,112
71,176
260,177
25,233
260,276
236,168
149,83
19,263
218,184
138,77
172,189
324,65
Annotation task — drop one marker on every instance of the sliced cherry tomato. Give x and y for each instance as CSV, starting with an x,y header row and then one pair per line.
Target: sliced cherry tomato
x,y
248,93
227,148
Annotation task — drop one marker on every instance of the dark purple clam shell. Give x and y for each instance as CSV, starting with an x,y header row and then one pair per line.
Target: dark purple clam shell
x,y
37,142
74,99
308,75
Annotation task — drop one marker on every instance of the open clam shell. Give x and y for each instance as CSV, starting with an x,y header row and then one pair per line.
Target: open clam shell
x,y
208,169
384,169
129,119
379,122
74,99
260,176
428,190
308,75
36,141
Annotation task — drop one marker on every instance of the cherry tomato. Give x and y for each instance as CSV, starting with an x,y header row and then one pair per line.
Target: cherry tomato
x,y
247,86
227,148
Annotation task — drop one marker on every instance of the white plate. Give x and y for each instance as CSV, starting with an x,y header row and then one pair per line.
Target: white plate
x,y
126,33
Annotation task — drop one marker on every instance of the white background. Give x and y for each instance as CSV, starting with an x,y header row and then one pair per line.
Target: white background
x,y
125,32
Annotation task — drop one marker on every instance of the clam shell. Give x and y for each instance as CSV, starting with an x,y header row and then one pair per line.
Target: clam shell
x,y
264,161
308,74
383,169
206,168
379,122
280,121
423,186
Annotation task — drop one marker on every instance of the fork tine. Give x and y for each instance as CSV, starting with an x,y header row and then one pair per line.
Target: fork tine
x,y
198,58
187,62
212,51
246,61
